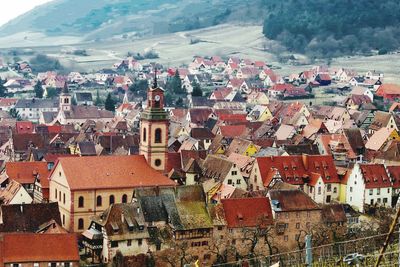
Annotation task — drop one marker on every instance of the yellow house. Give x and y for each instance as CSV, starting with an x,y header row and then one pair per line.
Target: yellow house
x,y
260,113
242,147
87,186
257,98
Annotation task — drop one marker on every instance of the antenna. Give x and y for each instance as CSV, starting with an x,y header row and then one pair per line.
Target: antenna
x,y
155,85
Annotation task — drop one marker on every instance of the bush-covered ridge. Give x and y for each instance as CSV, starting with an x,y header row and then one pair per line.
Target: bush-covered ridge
x,y
324,28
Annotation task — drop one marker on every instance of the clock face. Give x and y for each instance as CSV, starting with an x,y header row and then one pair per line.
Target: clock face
x,y
157,98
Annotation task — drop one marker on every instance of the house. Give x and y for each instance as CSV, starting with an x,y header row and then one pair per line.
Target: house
x,y
323,79
32,249
23,127
363,91
389,91
382,120
70,114
302,171
259,113
285,132
183,213
279,89
257,98
7,103
368,184
374,75
357,101
84,98
338,146
242,221
119,228
108,180
242,147
28,174
221,169
380,138
14,193
294,212
27,217
31,109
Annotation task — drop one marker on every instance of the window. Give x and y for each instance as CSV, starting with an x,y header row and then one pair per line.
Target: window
x,y
388,190
129,243
80,224
55,194
112,199
114,244
81,202
157,162
67,264
234,172
351,189
229,181
334,190
99,201
59,196
140,242
238,181
385,200
144,135
157,138
53,264
378,191
64,198
124,198
329,187
63,219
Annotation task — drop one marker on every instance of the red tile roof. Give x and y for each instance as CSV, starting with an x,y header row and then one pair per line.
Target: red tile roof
x,y
110,172
247,212
282,87
375,176
291,200
394,173
296,167
388,89
232,131
23,127
24,172
29,247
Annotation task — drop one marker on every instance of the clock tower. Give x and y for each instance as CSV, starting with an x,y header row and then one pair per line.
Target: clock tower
x,y
154,123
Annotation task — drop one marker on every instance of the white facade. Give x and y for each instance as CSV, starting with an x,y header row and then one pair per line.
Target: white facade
x,y
357,194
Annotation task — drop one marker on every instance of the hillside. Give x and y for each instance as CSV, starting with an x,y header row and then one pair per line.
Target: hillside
x,y
102,19
323,28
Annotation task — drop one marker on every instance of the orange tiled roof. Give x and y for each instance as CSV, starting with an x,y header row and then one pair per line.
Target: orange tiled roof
x,y
110,172
24,172
29,247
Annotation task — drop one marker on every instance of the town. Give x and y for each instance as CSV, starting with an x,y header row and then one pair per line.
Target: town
x,y
217,162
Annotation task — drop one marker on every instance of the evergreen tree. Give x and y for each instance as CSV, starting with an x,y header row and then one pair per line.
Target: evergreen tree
x,y
98,101
14,113
3,89
109,104
177,83
196,89
179,103
51,92
39,90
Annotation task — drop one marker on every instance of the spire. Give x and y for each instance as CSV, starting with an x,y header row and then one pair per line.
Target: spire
x,y
126,101
65,90
155,85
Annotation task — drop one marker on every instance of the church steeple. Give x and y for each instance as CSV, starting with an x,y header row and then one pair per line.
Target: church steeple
x,y
154,125
65,99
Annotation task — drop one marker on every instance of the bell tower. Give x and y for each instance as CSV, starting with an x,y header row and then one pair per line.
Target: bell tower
x,y
154,125
65,99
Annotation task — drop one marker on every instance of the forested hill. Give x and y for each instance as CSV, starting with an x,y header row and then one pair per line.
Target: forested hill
x,y
326,28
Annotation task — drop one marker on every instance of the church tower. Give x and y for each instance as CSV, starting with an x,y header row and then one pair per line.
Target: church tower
x,y
65,99
154,124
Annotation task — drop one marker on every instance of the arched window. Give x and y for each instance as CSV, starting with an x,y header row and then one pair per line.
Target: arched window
x,y
112,199
144,135
157,162
80,224
99,201
158,138
124,198
81,202
66,100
